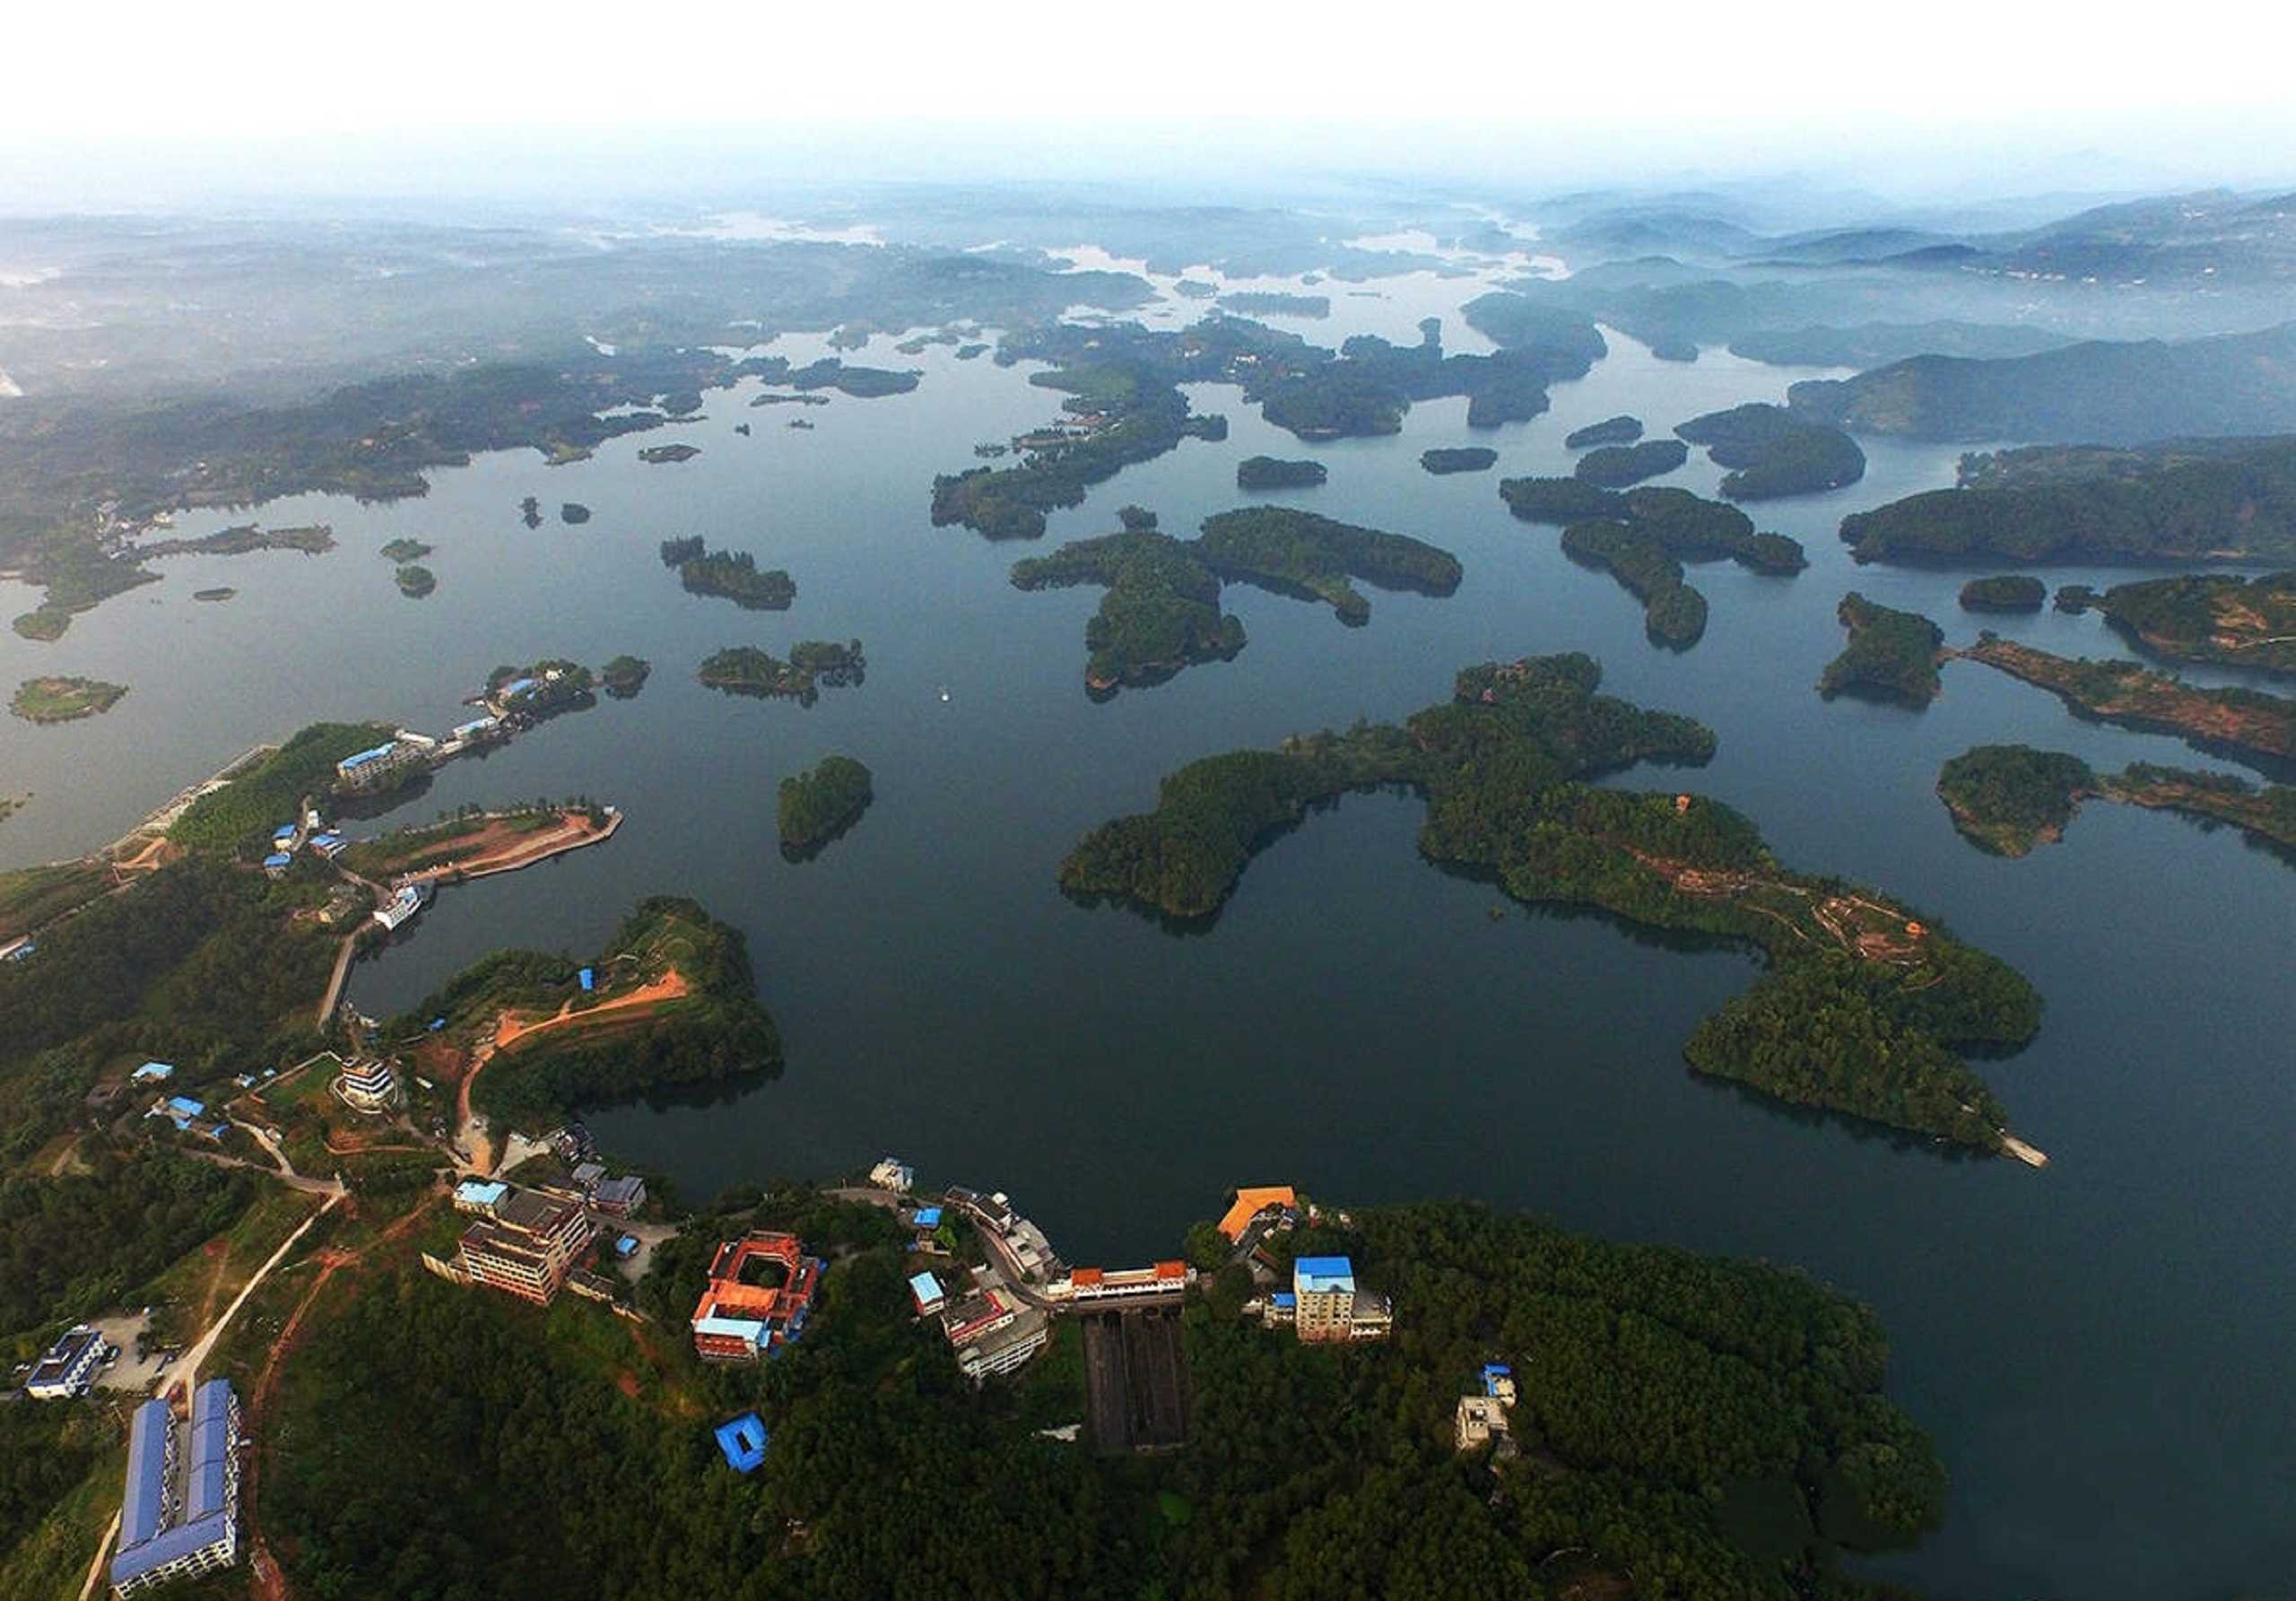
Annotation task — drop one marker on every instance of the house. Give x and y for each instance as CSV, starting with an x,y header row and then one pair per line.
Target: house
x,y
586,1175
620,1197
1481,1419
276,864
744,1441
329,845
926,1291
159,1540
68,1367
1282,1307
152,1073
525,1244
1097,1285
894,1174
760,1293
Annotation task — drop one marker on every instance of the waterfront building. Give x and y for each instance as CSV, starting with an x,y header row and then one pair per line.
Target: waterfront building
x,y
620,1197
525,1244
894,1174
760,1293
1086,1285
405,900
373,768
68,1367
1251,1203
165,1536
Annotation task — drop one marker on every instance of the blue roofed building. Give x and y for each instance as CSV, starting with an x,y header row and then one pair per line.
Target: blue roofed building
x,y
153,1071
744,1441
926,1291
1329,1305
373,768
163,1538
277,863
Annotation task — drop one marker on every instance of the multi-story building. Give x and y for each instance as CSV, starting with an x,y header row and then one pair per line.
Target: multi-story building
x,y
1328,1305
760,1293
68,1368
620,1197
991,1334
163,1539
524,1242
894,1174
368,1086
372,769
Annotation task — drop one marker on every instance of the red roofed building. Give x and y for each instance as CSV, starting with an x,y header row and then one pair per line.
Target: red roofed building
x,y
1127,1283
760,1289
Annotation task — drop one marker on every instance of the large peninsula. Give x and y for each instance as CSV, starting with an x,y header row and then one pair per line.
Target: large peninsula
x,y
2216,618
2247,725
2187,500
1865,999
1773,453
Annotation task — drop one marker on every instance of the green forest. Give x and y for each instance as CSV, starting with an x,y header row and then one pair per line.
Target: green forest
x,y
2004,592
2213,617
1270,472
820,803
813,666
1621,467
1621,429
242,814
1718,1430
733,574
1464,458
1891,656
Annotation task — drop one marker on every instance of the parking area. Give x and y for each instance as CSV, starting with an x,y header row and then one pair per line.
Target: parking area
x,y
649,1235
126,1373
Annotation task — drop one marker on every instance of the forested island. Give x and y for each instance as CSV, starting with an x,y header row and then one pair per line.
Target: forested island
x,y
1269,472
63,700
243,539
1865,1000
1686,527
623,676
1618,467
1464,458
659,453
415,582
573,513
1772,452
2004,592
1891,656
731,575
2187,500
221,592
1673,613
400,551
820,805
2247,724
2100,391
813,664
857,383
2009,798
2216,618
1161,611
1621,429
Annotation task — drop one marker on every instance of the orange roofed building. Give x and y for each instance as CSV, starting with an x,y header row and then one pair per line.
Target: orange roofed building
x,y
1251,1203
739,1322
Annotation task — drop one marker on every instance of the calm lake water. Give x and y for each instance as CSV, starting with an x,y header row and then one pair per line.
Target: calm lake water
x,y
2100,1349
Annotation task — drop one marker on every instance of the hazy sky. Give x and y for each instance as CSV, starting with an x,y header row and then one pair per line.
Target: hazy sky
x,y
2197,87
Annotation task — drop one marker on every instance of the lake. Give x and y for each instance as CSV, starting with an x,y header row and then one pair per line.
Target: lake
x,y
2100,1349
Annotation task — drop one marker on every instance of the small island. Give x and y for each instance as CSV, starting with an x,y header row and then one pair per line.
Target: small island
x,y
2008,798
1673,614
1891,655
1135,519
731,575
2216,618
1464,458
1621,429
657,454
63,700
574,512
1865,1002
311,538
2005,592
623,676
403,550
813,664
224,592
530,512
2247,725
1686,527
1618,467
1773,452
819,806
1269,472
415,582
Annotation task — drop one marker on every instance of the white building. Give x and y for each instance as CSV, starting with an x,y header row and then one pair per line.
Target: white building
x,y
68,1367
894,1174
368,1086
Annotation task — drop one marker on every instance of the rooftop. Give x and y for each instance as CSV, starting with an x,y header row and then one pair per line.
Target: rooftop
x,y
1251,1203
743,1440
1318,1275
481,1192
928,1217
150,1070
